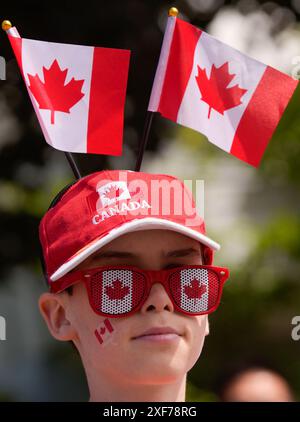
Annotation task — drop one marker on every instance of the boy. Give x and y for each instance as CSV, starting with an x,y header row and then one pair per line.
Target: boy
x,y
131,280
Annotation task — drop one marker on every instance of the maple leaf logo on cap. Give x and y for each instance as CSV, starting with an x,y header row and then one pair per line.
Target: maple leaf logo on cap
x,y
214,90
53,94
112,192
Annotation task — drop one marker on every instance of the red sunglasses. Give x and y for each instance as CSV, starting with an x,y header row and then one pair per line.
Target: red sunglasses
x,y
118,291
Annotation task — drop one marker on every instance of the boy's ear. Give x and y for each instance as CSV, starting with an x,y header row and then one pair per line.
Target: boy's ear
x,y
53,309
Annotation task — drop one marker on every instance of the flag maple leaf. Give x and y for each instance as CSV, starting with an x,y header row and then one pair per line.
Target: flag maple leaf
x,y
196,289
113,192
117,290
214,90
53,94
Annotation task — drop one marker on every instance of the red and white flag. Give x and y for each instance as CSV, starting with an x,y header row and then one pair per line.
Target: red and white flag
x,y
78,92
206,85
105,328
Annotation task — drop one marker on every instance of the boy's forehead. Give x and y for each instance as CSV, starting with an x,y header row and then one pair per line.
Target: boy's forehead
x,y
163,243
158,244
156,238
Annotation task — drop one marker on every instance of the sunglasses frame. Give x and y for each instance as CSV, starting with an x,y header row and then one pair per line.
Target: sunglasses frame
x,y
151,277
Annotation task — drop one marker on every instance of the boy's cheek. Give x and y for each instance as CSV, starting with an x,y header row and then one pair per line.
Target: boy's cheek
x,y
110,332
201,327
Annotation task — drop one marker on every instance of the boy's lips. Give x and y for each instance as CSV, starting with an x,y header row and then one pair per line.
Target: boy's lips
x,y
158,331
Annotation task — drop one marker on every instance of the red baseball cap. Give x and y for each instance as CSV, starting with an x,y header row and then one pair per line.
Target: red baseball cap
x,y
104,205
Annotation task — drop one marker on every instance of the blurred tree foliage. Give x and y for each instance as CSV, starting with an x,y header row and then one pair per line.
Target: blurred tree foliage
x,y
253,323
262,295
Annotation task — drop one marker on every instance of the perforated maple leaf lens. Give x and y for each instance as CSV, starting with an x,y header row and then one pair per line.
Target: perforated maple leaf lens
x,y
195,290
116,292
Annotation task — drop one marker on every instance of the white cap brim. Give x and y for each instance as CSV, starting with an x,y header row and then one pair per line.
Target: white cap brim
x,y
131,226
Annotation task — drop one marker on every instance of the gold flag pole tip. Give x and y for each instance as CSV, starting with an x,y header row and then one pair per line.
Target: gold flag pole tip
x,y
6,25
173,12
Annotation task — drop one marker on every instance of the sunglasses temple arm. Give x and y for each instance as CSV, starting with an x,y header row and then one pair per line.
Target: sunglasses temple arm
x,y
66,281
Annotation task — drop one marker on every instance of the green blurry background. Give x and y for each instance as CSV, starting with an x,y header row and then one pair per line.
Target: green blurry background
x,y
253,213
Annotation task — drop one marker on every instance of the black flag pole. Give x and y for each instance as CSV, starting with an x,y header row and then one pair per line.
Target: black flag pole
x,y
73,165
151,107
147,127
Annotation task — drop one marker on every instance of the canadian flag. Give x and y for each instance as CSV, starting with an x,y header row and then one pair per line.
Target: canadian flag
x,y
105,328
78,92
204,84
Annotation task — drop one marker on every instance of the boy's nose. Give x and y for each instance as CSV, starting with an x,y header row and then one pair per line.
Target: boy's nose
x,y
158,300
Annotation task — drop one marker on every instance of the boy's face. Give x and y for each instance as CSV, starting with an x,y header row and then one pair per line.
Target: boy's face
x,y
123,356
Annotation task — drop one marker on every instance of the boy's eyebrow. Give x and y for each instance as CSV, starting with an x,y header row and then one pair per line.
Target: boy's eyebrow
x,y
125,254
114,254
183,252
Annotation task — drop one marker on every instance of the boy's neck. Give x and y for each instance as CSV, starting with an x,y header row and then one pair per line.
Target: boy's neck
x,y
104,392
